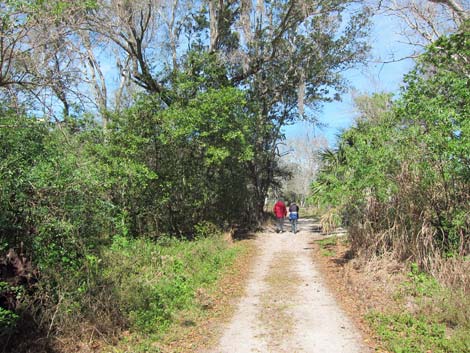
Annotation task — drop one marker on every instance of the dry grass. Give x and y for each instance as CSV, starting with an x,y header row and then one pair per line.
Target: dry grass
x,y
282,283
330,220
452,273
361,285
383,284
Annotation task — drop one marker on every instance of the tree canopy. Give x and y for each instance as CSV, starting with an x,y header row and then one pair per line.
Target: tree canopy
x,y
399,178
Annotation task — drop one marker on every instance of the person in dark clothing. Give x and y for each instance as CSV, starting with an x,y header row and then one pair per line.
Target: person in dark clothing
x,y
293,216
280,211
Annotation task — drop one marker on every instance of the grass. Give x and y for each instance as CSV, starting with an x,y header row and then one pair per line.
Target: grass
x,y
327,253
406,310
169,289
310,212
407,333
439,321
327,245
158,284
330,241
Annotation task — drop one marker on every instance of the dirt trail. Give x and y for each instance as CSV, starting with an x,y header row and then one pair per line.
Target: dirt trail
x,y
287,307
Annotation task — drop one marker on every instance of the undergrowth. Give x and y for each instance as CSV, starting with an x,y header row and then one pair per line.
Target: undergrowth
x,y
158,284
428,318
327,245
406,333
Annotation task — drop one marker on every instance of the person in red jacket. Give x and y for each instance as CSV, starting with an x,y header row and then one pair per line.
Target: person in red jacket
x,y
280,211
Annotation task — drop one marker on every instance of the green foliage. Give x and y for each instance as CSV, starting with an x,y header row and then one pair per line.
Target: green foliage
x,y
421,284
400,181
154,282
326,246
399,178
188,161
198,156
450,306
55,209
21,142
68,188
205,229
330,241
439,321
70,210
7,320
404,333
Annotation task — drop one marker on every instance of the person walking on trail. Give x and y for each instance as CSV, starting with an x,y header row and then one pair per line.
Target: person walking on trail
x,y
280,211
293,216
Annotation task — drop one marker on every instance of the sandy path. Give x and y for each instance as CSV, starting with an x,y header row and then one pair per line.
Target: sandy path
x,y
287,307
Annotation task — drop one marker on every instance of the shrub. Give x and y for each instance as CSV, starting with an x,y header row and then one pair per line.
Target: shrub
x,y
400,178
154,282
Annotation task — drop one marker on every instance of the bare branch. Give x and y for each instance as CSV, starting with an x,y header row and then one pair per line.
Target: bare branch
x,y
454,6
426,20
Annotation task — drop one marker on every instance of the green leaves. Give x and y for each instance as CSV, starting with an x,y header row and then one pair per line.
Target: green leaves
x,y
401,176
7,320
403,333
166,277
198,148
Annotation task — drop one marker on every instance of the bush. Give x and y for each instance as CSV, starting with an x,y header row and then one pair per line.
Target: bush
x,y
67,188
400,178
7,320
154,282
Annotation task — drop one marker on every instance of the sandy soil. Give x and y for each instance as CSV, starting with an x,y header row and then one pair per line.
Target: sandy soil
x,y
287,307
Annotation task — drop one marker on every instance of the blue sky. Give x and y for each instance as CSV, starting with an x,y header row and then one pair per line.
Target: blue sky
x,y
374,76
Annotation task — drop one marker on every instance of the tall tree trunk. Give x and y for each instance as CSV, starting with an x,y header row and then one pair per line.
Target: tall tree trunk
x,y
213,18
97,78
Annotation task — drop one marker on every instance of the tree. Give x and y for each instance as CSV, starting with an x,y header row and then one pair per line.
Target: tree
x,y
427,20
456,7
303,162
372,108
289,55
133,28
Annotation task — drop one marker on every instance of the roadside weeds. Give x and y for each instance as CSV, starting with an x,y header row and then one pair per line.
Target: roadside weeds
x,y
397,307
204,330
